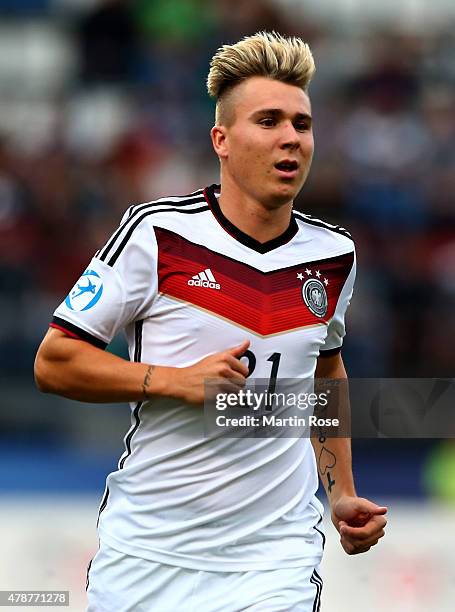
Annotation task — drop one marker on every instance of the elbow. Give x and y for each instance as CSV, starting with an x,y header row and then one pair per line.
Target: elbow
x,y
41,380
43,374
51,364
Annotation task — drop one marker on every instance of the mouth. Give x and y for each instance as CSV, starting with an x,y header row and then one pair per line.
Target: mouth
x,y
287,168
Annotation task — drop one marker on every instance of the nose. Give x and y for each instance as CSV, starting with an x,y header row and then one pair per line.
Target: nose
x,y
290,138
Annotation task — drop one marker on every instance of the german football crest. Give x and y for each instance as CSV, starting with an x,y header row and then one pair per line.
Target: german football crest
x,y
315,296
314,292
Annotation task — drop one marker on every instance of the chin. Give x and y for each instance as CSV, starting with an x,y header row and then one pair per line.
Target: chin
x,y
286,192
277,194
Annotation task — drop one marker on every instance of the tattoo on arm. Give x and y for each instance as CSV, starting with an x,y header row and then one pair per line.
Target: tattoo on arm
x,y
327,460
145,384
330,482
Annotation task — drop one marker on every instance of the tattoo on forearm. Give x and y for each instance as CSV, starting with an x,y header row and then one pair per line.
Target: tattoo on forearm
x,y
326,461
145,384
330,482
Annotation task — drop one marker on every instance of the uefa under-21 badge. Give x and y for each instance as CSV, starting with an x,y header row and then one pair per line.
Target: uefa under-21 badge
x,y
314,291
86,292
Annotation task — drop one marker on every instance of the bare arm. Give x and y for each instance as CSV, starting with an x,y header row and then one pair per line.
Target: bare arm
x,y
359,521
333,455
78,370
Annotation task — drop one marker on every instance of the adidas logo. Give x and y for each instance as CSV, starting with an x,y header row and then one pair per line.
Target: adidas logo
x,y
204,279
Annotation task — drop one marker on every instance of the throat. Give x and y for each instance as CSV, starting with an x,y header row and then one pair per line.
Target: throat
x,y
256,220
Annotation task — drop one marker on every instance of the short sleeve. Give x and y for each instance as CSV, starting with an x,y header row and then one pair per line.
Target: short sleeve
x,y
336,328
117,287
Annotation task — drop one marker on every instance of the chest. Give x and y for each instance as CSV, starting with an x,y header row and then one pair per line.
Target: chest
x,y
294,296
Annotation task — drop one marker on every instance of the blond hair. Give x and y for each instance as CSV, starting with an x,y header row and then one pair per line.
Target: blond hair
x,y
266,54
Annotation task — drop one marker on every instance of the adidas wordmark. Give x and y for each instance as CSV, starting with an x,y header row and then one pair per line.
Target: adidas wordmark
x,y
204,279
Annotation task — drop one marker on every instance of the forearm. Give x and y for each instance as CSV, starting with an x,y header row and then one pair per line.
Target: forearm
x,y
333,458
333,454
77,370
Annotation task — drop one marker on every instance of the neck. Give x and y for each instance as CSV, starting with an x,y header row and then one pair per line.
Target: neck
x,y
254,218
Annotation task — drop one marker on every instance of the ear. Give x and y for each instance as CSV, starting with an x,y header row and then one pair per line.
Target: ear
x,y
218,134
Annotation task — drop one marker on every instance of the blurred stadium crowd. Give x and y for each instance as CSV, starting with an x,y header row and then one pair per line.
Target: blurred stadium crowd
x,y
103,104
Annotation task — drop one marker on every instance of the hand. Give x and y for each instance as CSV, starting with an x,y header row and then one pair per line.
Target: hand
x,y
188,383
360,523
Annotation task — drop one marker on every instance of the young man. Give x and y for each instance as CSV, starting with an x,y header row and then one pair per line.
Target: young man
x,y
190,522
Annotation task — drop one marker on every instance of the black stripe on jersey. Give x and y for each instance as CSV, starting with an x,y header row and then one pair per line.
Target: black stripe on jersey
x,y
137,420
187,200
133,226
317,581
133,211
131,434
138,340
320,532
87,578
81,333
313,221
137,357
317,601
330,352
318,577
103,504
318,523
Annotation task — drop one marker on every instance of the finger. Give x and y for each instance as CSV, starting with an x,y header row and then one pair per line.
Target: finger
x,y
231,382
366,506
380,510
353,549
373,525
231,376
362,533
363,543
237,365
229,372
237,351
354,523
347,546
374,539
230,386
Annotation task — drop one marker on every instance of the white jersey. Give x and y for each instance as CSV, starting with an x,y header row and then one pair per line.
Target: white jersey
x,y
185,283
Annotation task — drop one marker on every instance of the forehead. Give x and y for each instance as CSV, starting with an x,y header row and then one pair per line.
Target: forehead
x,y
257,93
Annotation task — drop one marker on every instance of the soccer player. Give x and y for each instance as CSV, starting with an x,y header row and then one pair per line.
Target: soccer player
x,y
217,284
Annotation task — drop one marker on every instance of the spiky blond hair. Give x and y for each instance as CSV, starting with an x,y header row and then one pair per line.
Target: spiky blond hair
x,y
266,54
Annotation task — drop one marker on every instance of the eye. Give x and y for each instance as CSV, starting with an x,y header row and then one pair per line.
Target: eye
x,y
302,126
267,122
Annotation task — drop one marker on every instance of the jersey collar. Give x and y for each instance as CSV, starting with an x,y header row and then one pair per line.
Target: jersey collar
x,y
235,232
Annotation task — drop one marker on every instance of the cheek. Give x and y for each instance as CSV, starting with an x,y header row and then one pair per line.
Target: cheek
x,y
308,146
240,150
248,154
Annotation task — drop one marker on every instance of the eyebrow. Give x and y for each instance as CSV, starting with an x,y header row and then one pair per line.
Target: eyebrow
x,y
278,112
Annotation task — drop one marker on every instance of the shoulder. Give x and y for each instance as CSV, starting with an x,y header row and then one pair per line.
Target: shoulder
x,y
139,220
180,204
324,230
